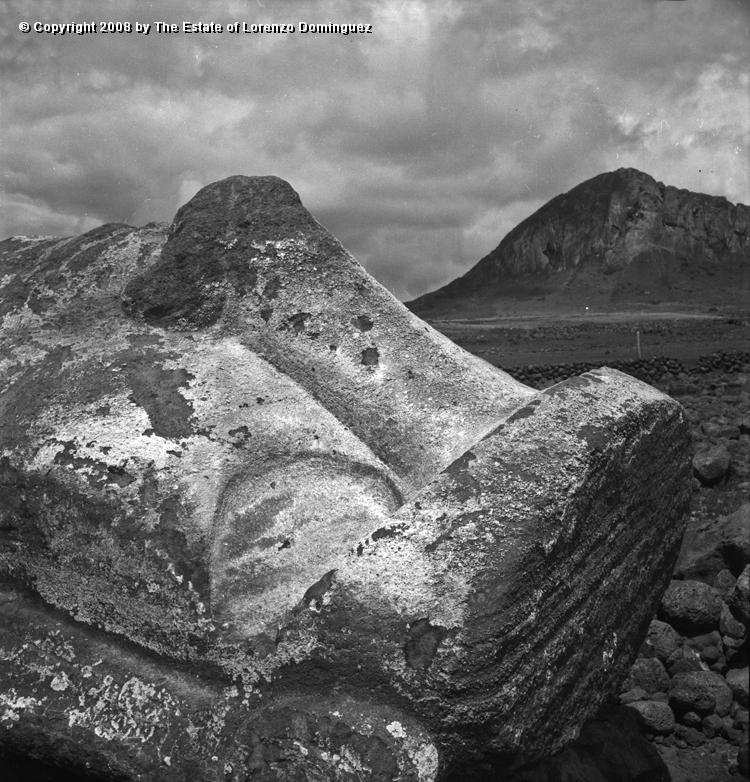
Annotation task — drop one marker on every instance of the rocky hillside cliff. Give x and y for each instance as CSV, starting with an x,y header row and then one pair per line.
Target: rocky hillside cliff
x,y
618,238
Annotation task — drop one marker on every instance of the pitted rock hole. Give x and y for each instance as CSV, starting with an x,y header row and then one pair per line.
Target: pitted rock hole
x,y
363,323
525,412
313,598
240,436
595,437
272,288
383,532
370,357
422,644
297,322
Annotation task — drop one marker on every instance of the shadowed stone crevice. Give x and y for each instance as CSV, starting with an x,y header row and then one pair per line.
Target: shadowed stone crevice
x,y
370,357
525,412
297,322
422,644
313,597
362,322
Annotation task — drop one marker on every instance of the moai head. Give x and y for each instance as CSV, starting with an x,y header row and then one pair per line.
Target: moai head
x,y
229,447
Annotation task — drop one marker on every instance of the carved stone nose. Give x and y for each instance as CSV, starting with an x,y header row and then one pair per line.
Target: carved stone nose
x,y
257,517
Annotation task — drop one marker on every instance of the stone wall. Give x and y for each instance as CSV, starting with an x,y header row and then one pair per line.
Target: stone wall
x,y
660,369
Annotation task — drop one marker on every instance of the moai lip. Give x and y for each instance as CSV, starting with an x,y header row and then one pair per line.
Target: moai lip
x,y
258,519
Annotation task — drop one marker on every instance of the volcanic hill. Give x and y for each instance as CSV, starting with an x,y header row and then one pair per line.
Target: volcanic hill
x,y
620,239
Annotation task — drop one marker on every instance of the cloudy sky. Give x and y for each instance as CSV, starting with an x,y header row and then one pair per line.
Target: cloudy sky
x,y
419,146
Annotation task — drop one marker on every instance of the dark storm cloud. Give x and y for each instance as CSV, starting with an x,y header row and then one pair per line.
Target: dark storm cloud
x,y
419,146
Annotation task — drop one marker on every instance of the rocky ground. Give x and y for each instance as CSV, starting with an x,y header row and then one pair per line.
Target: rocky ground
x,y
521,337
696,651
703,619
682,713
687,693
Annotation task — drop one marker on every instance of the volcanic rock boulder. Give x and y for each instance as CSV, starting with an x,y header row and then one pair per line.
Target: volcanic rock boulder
x,y
721,544
258,521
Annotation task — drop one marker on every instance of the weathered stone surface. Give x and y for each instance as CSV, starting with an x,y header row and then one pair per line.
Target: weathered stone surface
x,y
739,683
661,642
691,606
724,581
701,643
700,691
730,732
712,726
691,736
683,660
722,544
654,716
692,720
258,516
729,626
711,465
632,695
743,758
648,673
740,715
739,600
